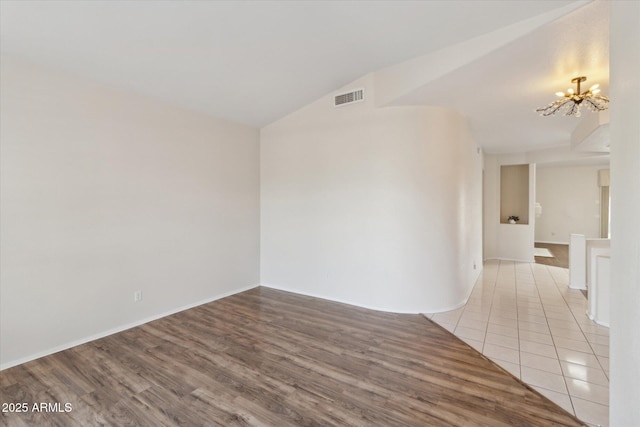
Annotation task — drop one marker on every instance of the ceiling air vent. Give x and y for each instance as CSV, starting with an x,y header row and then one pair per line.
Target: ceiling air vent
x,y
349,97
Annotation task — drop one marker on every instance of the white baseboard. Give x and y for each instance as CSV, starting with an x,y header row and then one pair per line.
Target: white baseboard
x,y
551,243
377,308
117,329
515,260
599,322
507,259
464,301
332,299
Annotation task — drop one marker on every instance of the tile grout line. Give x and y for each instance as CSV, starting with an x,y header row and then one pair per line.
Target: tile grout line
x,y
515,299
493,294
515,281
573,315
555,347
579,326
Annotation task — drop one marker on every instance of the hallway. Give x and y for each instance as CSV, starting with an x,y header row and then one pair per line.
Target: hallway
x,y
525,318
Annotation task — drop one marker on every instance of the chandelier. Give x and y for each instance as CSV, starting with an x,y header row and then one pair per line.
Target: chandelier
x,y
570,102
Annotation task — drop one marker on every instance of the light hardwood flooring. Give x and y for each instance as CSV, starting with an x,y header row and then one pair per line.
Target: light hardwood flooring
x,y
267,357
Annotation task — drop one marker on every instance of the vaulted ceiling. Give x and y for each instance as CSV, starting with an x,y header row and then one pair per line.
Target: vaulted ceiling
x,y
254,62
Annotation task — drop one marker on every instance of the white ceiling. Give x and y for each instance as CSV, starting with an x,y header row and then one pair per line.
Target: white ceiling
x,y
500,91
254,62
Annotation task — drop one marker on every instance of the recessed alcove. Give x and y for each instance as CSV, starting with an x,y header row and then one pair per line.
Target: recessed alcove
x,y
514,193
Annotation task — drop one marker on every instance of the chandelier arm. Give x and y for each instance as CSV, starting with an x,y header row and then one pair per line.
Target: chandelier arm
x,y
546,111
574,110
553,108
595,106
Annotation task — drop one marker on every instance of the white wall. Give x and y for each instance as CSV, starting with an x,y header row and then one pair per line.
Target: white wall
x,y
506,241
570,200
105,193
378,207
625,211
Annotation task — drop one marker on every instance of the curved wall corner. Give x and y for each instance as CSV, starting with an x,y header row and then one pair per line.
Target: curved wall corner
x,y
376,207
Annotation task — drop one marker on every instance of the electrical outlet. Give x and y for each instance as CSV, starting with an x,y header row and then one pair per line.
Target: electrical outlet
x,y
137,296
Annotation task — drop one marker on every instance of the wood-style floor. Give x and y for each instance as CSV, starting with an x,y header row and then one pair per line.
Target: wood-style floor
x,y
560,255
271,358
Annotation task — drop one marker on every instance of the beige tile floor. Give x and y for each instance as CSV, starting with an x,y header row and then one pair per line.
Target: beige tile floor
x,y
525,318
